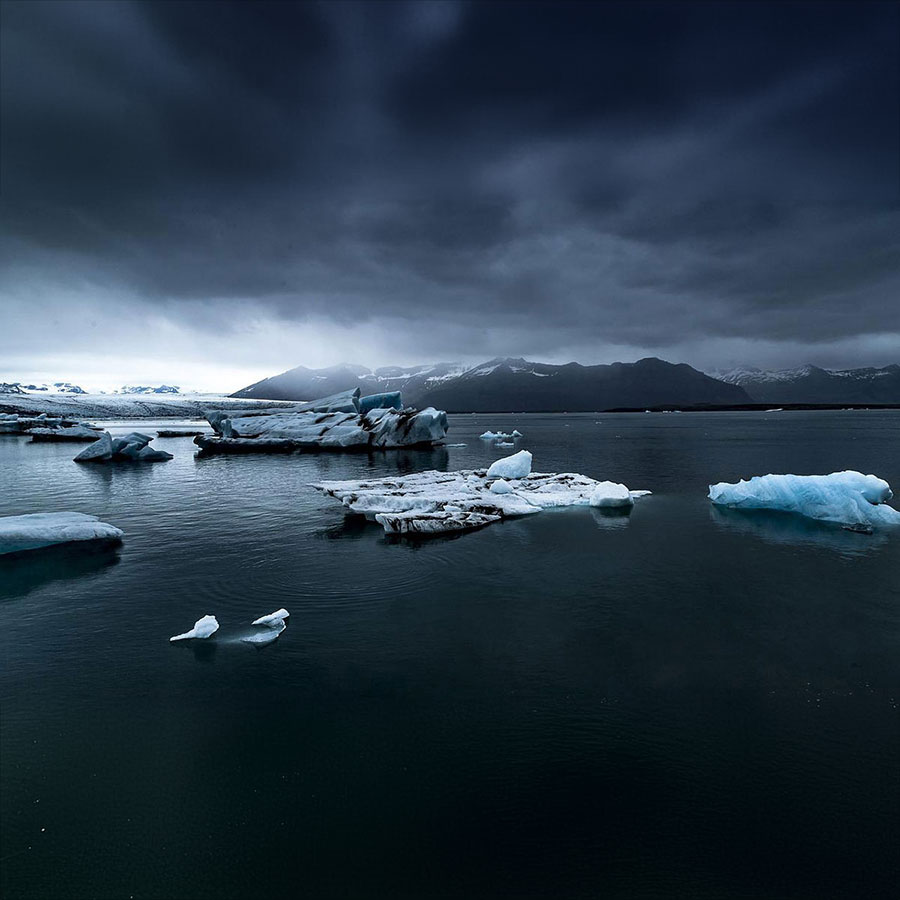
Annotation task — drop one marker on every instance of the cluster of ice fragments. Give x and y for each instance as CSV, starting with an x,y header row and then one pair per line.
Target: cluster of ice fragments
x,y
31,532
44,428
266,628
847,498
436,502
133,447
344,421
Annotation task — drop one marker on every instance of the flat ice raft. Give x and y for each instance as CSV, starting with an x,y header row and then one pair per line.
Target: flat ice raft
x,y
847,498
31,532
435,502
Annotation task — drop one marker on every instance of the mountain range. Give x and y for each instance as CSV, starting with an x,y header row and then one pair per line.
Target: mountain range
x,y
810,384
514,385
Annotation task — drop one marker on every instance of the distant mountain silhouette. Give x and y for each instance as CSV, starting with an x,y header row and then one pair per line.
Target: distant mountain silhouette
x,y
810,384
513,385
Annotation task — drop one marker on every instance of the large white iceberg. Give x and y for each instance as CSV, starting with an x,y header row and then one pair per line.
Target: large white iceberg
x,y
610,495
435,502
31,532
341,422
848,498
203,628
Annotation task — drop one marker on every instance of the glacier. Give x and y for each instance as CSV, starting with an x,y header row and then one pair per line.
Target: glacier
x,y
440,502
31,532
343,421
203,628
847,498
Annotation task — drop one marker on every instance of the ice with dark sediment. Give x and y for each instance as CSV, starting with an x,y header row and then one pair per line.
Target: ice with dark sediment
x,y
439,502
343,421
133,447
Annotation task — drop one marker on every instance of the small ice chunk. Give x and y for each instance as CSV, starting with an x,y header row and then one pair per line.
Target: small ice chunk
x,y
273,618
494,435
609,494
517,434
500,487
203,628
516,466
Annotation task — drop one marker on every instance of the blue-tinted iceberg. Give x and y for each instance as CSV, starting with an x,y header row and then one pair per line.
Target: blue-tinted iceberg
x,y
31,532
847,498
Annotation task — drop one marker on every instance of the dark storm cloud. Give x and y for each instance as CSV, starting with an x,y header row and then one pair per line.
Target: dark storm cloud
x,y
647,175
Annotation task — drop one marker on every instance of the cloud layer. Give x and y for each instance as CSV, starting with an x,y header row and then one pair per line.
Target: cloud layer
x,y
254,186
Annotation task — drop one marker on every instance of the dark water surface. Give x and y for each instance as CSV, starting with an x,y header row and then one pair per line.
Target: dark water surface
x,y
676,703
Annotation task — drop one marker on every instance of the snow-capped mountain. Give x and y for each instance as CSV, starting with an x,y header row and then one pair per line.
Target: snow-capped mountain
x,y
58,387
512,384
145,389
810,384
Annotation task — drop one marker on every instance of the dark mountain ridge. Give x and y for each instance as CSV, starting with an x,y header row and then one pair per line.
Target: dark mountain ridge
x,y
512,385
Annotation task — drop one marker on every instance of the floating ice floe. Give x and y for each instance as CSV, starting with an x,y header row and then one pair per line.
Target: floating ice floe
x,y
500,435
134,447
203,628
343,421
436,502
72,433
31,532
847,498
272,618
271,626
13,423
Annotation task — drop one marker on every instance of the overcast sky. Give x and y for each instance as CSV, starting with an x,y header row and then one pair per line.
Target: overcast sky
x,y
208,193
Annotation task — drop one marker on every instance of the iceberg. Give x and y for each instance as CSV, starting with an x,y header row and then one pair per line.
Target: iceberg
x,y
74,433
847,498
389,400
273,618
440,502
203,628
132,447
610,495
31,532
340,422
516,466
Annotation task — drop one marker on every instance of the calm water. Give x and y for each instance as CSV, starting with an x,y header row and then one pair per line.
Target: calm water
x,y
675,703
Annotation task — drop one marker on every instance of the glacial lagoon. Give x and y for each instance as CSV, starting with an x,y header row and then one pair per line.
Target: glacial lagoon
x,y
586,702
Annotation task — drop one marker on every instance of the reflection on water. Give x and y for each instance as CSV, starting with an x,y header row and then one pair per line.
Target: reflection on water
x,y
792,528
21,573
611,518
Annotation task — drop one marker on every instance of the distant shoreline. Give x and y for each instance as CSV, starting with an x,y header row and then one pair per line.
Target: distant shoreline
x,y
140,407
